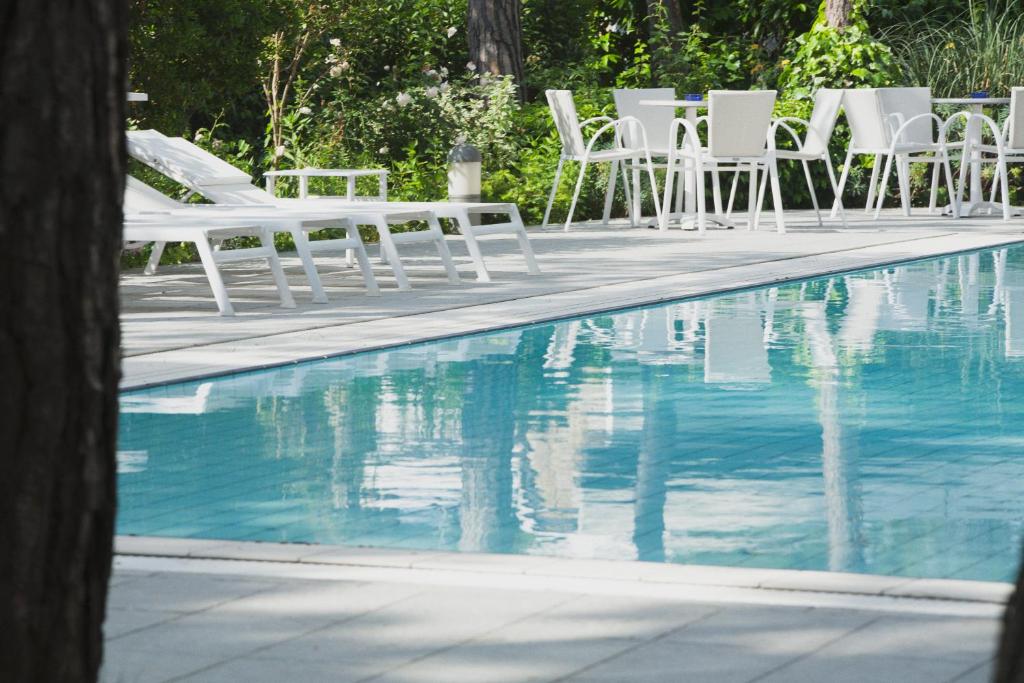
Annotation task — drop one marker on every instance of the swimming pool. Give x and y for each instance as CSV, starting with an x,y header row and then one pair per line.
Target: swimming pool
x,y
870,422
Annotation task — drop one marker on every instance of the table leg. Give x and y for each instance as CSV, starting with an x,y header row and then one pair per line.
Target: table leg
x,y
350,191
271,185
973,136
688,176
303,187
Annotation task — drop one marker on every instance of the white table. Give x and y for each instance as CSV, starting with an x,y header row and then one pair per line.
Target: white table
x,y
976,204
691,107
350,175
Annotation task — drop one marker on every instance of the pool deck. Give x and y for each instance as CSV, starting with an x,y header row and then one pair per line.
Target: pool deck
x,y
171,330
217,611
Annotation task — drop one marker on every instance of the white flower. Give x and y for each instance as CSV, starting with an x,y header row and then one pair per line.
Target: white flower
x,y
336,71
279,151
344,66
444,87
199,135
444,72
387,67
331,58
383,150
431,73
452,31
403,99
305,110
471,66
335,42
431,92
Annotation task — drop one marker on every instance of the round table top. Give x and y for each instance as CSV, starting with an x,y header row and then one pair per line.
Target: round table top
x,y
981,101
674,103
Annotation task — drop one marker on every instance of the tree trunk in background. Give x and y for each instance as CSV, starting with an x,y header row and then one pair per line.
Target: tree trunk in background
x,y
1010,660
837,13
670,10
496,38
62,84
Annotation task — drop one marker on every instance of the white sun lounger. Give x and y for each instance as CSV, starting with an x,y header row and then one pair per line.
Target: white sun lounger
x,y
219,181
140,198
142,229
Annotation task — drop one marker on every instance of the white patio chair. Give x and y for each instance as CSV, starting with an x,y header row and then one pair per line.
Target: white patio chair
x,y
1007,147
219,181
814,146
570,131
140,198
141,229
738,124
897,125
656,122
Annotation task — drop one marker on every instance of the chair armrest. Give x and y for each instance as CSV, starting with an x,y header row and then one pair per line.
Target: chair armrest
x,y
603,119
783,123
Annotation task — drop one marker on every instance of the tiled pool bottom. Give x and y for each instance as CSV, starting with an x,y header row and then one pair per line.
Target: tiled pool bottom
x,y
870,423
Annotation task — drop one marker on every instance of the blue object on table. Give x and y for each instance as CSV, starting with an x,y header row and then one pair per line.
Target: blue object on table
x,y
979,94
693,97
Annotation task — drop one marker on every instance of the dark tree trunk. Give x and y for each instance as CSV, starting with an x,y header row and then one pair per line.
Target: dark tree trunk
x,y
669,10
62,84
496,37
1010,660
837,13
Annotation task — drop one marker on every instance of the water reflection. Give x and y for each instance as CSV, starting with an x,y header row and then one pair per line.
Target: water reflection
x,y
866,422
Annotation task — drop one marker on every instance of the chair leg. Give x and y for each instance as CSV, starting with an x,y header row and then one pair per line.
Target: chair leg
x,y
773,173
443,251
609,194
524,241
964,164
220,293
670,178
472,245
873,186
762,186
837,204
947,169
554,189
637,195
274,261
576,194
628,190
654,186
154,257
1005,186
702,211
387,247
882,187
752,198
732,193
933,195
903,178
363,260
716,191
308,265
810,188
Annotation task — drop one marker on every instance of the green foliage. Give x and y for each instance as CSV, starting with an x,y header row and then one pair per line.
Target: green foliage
x,y
830,58
981,49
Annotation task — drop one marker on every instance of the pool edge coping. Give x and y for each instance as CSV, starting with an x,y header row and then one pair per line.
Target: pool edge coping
x,y
892,589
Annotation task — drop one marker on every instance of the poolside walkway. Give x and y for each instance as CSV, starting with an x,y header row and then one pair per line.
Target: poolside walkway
x,y
371,615
171,330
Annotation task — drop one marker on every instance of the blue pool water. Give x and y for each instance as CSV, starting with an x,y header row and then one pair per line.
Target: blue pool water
x,y
872,422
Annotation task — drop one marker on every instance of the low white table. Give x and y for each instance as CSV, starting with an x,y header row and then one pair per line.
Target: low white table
x,y
976,204
350,174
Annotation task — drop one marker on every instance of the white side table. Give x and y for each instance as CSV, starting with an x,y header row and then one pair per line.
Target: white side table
x,y
976,204
350,174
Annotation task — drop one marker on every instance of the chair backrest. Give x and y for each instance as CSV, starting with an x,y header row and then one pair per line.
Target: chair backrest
x,y
1015,136
868,129
183,161
567,122
138,197
656,120
908,103
823,119
739,121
